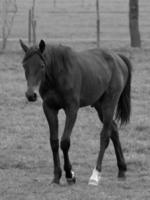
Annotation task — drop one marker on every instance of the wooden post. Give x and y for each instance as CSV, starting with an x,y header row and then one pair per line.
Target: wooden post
x,y
4,23
29,26
98,23
82,3
33,9
54,3
34,31
33,24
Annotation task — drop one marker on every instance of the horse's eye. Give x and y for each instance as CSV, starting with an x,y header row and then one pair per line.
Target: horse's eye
x,y
42,66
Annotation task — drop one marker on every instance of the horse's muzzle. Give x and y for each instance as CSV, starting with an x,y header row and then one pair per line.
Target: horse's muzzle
x,y
31,97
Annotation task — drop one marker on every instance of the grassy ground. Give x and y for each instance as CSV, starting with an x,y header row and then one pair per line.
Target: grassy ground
x,y
26,166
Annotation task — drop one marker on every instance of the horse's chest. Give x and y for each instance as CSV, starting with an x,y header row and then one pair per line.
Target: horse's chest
x,y
50,95
54,99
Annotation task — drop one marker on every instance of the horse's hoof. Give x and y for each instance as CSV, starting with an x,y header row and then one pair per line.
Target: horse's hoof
x,y
122,175
95,178
55,181
71,180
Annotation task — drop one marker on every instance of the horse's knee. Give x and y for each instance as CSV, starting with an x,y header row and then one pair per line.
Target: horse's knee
x,y
114,132
114,125
107,143
105,140
65,144
54,145
105,135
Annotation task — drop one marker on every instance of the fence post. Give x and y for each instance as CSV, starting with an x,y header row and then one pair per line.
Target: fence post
x,y
98,23
29,26
33,25
54,3
4,17
82,3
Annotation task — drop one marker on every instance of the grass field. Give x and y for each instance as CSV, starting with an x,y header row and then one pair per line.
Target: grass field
x,y
26,167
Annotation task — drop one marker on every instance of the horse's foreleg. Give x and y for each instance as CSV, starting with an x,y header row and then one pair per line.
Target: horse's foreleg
x,y
71,115
52,118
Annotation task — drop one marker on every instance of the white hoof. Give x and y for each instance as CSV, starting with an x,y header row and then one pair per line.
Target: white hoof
x,y
95,178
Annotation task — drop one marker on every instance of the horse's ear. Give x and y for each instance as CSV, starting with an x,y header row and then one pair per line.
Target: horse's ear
x,y
42,46
24,47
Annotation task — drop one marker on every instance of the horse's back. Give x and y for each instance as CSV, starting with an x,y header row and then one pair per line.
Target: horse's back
x,y
95,75
113,63
101,70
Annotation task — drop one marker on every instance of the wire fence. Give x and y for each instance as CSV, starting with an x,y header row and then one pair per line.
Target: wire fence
x,y
75,21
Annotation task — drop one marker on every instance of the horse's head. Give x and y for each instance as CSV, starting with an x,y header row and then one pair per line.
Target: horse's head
x,y
33,64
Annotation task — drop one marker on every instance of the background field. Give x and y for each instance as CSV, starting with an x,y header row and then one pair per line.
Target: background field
x,y
26,166
75,21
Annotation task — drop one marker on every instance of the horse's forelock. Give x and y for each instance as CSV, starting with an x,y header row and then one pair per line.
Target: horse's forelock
x,y
31,51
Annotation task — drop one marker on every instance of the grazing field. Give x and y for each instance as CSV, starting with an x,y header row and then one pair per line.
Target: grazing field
x,y
26,166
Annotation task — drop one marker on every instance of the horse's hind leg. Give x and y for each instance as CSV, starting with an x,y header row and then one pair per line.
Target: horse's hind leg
x,y
100,115
118,150
105,108
71,114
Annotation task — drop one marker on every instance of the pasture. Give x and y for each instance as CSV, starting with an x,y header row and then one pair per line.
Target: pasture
x,y
26,165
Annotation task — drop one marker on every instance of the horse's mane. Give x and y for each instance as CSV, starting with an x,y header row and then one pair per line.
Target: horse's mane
x,y
59,59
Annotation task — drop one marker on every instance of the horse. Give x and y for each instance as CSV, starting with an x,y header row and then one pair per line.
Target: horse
x,y
69,80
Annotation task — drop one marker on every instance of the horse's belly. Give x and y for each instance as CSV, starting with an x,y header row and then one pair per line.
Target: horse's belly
x,y
94,82
91,93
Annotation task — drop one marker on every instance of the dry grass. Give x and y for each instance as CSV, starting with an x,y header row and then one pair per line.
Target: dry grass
x,y
26,166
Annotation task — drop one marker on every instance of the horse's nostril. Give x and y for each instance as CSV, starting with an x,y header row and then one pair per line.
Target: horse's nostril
x,y
32,97
35,96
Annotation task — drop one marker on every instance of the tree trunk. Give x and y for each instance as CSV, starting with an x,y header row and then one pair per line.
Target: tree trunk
x,y
134,23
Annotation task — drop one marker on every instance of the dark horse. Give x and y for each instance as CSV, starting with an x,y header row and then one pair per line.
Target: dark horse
x,y
69,80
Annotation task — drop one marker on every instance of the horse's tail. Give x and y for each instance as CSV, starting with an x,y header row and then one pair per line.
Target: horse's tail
x,y
123,111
